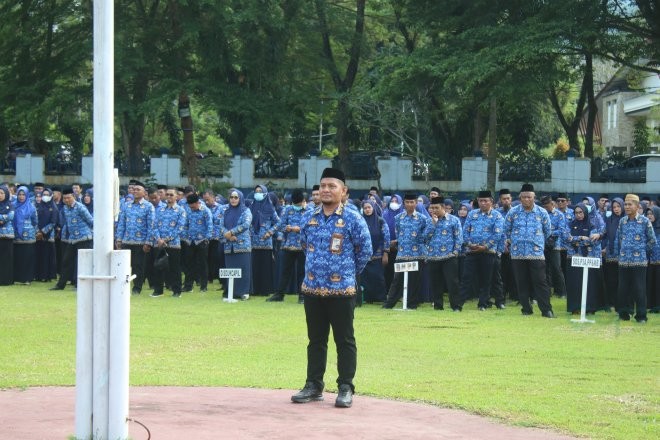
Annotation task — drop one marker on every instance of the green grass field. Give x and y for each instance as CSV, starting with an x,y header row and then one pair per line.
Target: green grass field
x,y
596,380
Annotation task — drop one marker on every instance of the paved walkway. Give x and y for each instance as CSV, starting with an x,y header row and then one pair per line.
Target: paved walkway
x,y
181,413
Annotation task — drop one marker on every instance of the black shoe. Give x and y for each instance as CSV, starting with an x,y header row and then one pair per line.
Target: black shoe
x,y
438,307
203,290
344,396
386,306
482,309
548,314
276,297
135,292
56,288
624,316
176,295
527,313
156,294
186,289
456,309
500,306
309,393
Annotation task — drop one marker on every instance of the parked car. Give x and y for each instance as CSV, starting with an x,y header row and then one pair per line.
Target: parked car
x,y
630,170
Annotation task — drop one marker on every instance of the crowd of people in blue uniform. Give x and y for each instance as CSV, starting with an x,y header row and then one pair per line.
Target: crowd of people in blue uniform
x,y
494,249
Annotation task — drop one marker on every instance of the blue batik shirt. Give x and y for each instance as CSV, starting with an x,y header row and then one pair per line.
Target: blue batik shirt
x,y
199,225
527,231
78,223
337,248
135,223
634,241
169,225
241,231
214,215
559,228
411,241
444,238
484,229
7,225
291,217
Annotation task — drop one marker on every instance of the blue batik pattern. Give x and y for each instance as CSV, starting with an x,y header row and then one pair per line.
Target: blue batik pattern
x,y
527,231
216,225
7,225
199,225
337,249
169,225
559,228
634,241
268,225
291,217
78,223
484,229
411,241
444,239
241,231
135,223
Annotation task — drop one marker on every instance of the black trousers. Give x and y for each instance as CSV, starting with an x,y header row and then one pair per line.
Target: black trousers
x,y
497,289
414,286
138,257
531,282
553,272
632,292
611,290
478,271
70,262
196,265
213,262
444,278
293,265
172,274
321,313
508,280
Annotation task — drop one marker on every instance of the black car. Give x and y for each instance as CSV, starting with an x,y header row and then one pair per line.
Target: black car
x,y
630,170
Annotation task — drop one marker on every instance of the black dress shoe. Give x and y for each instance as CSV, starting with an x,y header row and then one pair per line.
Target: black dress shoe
x,y
56,288
309,393
275,297
344,396
501,306
548,314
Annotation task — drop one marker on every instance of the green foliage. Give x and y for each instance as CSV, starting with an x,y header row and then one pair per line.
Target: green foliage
x,y
641,137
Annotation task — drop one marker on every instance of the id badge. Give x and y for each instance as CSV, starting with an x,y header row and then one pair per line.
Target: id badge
x,y
336,243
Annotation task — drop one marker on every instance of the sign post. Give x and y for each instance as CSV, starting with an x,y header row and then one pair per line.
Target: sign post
x,y
231,274
585,263
405,267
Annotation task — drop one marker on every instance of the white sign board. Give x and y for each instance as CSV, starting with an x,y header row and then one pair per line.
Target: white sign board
x,y
590,262
406,266
229,273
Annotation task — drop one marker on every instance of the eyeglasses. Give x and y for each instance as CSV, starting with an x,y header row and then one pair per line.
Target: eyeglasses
x,y
170,195
233,197
562,200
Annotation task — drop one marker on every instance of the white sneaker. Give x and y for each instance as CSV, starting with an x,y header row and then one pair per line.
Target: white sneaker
x,y
245,297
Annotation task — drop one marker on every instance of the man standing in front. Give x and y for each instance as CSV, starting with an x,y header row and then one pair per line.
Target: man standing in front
x,y
527,226
337,247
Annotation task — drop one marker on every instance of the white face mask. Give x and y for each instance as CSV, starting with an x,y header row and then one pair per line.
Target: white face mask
x,y
259,196
394,206
46,199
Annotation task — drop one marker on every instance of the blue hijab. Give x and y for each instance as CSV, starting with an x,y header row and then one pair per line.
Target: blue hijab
x,y
233,213
373,222
90,206
22,210
6,206
262,210
389,214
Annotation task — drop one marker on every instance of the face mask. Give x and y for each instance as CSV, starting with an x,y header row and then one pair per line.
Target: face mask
x,y
46,198
394,206
259,196
589,209
297,208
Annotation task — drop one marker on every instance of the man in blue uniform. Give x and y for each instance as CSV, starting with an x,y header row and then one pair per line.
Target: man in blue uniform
x,y
337,248
134,227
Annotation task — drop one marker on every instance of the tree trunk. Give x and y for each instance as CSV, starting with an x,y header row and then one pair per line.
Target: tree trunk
x,y
492,145
189,158
133,131
591,107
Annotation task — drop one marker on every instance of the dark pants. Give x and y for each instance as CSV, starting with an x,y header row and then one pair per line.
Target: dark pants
x,y
70,262
213,262
396,288
553,273
444,278
497,289
293,265
611,273
389,269
478,271
137,265
196,268
508,280
632,292
321,314
531,282
172,274
149,271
